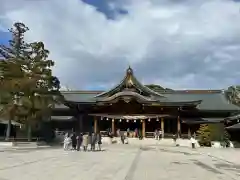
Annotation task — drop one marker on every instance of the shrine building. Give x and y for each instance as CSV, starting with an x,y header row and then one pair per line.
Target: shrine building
x,y
131,105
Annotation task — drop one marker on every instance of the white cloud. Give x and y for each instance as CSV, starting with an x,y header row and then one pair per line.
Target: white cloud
x,y
178,44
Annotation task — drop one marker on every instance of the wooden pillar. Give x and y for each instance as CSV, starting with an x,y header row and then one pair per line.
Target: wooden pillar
x,y
95,124
162,127
113,127
178,127
143,128
189,132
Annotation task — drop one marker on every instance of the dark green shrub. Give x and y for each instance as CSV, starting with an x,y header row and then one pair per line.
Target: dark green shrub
x,y
204,135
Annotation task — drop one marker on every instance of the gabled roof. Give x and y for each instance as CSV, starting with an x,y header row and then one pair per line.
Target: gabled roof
x,y
130,88
129,83
206,100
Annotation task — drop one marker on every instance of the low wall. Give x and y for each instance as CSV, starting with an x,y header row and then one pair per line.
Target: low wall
x,y
164,142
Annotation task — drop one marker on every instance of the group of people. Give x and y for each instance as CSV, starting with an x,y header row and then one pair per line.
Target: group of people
x,y
84,140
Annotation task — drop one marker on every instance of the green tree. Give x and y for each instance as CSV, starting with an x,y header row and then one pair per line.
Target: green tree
x,y
233,94
26,76
12,74
204,135
156,87
41,90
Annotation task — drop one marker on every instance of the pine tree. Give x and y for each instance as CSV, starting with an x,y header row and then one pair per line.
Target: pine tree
x,y
41,90
204,135
12,74
26,76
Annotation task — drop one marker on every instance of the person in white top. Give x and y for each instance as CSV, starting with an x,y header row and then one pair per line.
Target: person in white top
x,y
160,134
67,142
193,141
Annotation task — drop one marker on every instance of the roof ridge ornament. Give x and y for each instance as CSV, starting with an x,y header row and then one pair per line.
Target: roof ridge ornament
x,y
129,82
129,70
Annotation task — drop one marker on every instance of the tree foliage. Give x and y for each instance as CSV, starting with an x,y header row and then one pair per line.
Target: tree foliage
x,y
156,87
233,94
204,135
26,73
12,74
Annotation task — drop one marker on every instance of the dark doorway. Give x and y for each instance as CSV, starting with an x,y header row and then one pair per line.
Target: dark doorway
x,y
152,125
104,125
123,125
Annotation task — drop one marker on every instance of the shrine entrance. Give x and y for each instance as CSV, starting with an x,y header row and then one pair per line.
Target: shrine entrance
x,y
145,125
132,125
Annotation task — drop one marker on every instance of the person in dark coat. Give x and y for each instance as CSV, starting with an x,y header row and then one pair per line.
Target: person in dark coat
x,y
74,141
99,141
122,136
93,142
79,141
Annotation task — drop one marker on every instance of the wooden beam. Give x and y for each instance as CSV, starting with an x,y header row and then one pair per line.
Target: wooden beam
x,y
178,127
162,127
113,126
143,128
95,124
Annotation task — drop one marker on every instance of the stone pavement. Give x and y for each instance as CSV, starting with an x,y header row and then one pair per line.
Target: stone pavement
x,y
117,162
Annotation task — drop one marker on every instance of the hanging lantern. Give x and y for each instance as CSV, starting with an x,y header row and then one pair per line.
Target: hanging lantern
x,y
120,120
135,120
157,119
112,120
141,121
149,120
127,120
107,119
101,118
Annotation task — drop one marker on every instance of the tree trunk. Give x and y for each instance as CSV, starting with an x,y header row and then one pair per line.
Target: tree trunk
x,y
8,131
29,132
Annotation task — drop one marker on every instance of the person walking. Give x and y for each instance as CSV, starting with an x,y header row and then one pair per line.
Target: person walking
x,y
79,141
175,139
90,140
155,134
140,135
93,141
193,142
85,142
128,132
74,141
67,142
122,136
99,141
160,134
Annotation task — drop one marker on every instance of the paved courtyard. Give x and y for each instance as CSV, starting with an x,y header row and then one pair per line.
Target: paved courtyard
x,y
117,162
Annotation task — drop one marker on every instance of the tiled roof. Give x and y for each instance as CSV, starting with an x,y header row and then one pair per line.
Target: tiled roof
x,y
211,99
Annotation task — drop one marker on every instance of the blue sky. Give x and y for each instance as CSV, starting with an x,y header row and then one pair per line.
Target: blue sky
x,y
181,44
4,37
104,6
